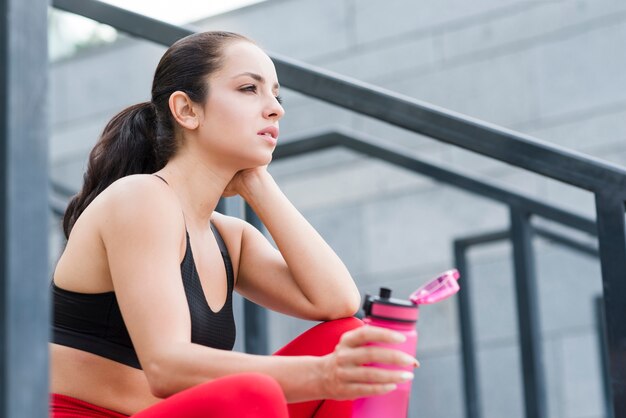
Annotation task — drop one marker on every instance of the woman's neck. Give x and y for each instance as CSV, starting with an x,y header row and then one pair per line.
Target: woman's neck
x,y
198,185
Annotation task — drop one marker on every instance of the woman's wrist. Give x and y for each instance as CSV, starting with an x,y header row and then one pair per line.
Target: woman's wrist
x,y
314,382
255,184
302,377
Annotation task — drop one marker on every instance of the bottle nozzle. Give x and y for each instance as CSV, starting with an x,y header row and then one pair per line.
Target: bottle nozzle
x,y
385,293
438,289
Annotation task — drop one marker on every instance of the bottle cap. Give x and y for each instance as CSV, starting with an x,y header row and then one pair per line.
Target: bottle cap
x,y
437,289
387,308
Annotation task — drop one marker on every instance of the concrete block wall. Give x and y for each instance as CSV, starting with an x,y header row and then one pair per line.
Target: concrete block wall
x,y
551,69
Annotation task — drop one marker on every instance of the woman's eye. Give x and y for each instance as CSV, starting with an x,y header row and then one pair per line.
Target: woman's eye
x,y
279,98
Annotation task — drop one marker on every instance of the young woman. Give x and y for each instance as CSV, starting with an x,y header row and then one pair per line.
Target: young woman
x,y
143,322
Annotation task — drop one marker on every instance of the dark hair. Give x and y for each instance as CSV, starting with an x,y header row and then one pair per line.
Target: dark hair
x,y
141,138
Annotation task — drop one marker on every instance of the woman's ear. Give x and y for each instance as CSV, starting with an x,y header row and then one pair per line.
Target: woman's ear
x,y
183,110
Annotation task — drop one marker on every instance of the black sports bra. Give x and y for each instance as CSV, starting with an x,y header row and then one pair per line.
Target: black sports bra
x,y
93,322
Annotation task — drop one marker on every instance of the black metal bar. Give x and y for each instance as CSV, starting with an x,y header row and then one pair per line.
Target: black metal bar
x,y
24,296
402,157
406,112
604,356
612,238
221,205
495,236
255,315
315,141
473,407
567,242
485,238
470,368
126,21
446,126
528,315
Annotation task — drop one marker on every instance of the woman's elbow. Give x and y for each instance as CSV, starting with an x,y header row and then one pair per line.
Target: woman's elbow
x,y
345,307
353,303
159,378
351,307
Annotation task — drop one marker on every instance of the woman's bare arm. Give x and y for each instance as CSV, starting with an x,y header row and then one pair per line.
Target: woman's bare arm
x,y
305,277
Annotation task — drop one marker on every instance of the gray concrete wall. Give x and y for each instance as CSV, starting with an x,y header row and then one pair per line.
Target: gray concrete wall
x,y
551,69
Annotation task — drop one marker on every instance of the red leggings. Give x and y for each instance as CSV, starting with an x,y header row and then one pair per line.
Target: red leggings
x,y
244,395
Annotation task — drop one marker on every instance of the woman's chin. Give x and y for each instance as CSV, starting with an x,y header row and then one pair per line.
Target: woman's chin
x,y
255,163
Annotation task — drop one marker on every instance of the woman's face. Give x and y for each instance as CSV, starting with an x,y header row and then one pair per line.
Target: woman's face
x,y
241,102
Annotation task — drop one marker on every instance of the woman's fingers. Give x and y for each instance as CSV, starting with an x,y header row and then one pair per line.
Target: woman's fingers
x,y
367,381
373,354
358,390
358,337
358,353
373,375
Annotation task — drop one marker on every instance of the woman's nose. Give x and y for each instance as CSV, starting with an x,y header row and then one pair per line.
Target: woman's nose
x,y
274,109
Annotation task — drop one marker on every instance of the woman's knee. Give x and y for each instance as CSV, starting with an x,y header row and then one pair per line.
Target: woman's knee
x,y
339,326
321,339
333,330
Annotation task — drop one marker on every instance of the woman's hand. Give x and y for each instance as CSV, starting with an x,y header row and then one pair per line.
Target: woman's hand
x,y
344,375
242,180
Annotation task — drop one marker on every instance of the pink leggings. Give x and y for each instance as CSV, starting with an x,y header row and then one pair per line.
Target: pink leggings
x,y
244,395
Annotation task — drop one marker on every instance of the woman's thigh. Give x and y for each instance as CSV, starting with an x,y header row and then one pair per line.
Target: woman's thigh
x,y
246,395
321,339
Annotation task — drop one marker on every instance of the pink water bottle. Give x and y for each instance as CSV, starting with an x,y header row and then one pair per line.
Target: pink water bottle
x,y
400,316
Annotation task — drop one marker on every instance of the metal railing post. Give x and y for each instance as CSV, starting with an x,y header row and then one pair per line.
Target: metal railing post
x,y
255,315
612,240
470,373
24,210
604,357
528,315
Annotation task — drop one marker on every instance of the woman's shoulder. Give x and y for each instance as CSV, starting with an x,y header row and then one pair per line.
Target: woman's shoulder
x,y
135,184
226,221
138,199
137,190
230,228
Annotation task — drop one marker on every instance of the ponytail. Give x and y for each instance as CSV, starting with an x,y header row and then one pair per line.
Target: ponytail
x,y
127,146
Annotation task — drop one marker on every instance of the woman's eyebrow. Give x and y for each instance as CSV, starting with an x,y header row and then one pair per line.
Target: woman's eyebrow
x,y
256,77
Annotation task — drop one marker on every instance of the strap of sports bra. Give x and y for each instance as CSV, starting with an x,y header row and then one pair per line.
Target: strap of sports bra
x,y
161,179
220,240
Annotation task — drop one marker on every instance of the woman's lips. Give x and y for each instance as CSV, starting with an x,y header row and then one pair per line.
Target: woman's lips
x,y
269,138
270,134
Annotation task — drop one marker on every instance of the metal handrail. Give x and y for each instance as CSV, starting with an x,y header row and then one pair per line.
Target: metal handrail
x,y
400,156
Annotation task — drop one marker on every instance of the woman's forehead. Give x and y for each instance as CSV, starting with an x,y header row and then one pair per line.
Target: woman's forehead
x,y
244,59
